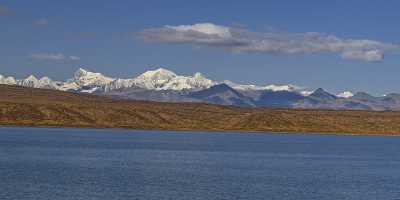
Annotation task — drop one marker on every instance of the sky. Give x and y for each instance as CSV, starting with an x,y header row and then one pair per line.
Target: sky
x,y
337,45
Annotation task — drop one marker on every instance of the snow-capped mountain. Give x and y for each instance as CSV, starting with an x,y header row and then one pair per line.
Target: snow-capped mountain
x,y
162,79
7,80
195,82
164,85
84,80
242,87
119,84
46,82
83,77
273,87
32,81
155,79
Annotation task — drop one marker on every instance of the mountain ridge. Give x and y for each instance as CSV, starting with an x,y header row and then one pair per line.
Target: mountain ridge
x,y
166,86
158,79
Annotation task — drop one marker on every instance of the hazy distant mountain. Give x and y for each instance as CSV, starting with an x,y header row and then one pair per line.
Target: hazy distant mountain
x,y
151,95
322,95
224,95
280,99
166,86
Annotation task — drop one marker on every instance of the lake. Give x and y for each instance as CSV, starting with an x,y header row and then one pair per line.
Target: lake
x,y
50,163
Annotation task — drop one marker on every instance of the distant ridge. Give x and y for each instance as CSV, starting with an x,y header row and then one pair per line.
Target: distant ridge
x,y
157,79
164,85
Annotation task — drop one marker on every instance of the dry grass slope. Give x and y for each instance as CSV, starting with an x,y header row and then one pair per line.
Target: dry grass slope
x,y
38,107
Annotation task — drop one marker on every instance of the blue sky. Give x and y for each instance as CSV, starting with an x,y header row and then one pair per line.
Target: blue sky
x,y
54,38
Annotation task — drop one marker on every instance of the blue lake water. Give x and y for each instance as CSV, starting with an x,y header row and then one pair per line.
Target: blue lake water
x,y
44,163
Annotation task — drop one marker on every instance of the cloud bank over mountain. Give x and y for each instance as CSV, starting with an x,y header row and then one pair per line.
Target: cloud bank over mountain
x,y
276,43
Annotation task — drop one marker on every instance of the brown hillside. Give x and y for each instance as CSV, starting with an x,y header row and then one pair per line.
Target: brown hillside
x,y
37,107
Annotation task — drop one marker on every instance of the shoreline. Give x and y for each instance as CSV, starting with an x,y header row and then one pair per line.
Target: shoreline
x,y
203,131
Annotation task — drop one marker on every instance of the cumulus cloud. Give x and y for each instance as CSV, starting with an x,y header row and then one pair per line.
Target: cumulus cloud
x,y
5,11
41,22
241,40
53,57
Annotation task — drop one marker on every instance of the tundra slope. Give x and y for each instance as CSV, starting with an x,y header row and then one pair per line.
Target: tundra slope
x,y
22,106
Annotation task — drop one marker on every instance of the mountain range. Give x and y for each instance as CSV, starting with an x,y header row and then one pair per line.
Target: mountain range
x,y
166,86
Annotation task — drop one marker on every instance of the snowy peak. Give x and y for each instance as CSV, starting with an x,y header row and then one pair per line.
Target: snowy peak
x,y
31,78
158,74
195,82
30,81
85,81
198,75
162,79
80,73
7,80
154,79
151,80
46,82
118,84
84,77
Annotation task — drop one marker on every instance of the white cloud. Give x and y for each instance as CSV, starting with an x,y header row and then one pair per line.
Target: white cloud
x,y
53,57
206,28
48,56
241,40
41,22
368,56
75,58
